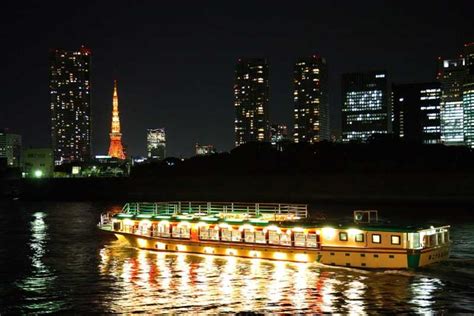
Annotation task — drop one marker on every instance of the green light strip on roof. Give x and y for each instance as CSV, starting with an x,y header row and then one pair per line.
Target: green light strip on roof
x,y
234,220
258,221
209,219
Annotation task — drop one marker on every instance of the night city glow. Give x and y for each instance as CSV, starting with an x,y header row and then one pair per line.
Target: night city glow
x,y
271,158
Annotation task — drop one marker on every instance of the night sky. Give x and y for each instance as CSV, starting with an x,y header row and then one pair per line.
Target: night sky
x,y
175,60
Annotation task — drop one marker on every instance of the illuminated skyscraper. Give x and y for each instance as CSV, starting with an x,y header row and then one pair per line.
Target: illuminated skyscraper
x,y
69,84
365,107
311,112
416,109
468,108
251,101
468,96
116,148
156,143
451,75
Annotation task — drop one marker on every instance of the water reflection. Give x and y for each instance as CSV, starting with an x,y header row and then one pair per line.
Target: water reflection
x,y
423,290
39,281
176,282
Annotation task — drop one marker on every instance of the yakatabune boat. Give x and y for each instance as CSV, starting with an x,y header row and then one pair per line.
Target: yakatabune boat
x,y
277,232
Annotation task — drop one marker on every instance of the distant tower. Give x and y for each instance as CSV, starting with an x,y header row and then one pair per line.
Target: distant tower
x,y
116,148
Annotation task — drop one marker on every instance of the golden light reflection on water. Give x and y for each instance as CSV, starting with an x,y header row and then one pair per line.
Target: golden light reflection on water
x,y
147,281
40,281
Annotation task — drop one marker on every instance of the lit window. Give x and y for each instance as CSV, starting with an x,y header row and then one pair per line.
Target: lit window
x,y
395,239
343,236
359,237
376,238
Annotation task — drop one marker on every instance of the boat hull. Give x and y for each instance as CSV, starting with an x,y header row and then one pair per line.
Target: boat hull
x,y
366,258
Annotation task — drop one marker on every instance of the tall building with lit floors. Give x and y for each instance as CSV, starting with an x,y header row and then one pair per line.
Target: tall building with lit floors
x,y
251,90
116,147
416,109
468,95
156,143
451,75
468,109
70,105
365,105
311,110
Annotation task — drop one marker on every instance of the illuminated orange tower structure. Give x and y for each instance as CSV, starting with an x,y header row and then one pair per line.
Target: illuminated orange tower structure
x,y
116,148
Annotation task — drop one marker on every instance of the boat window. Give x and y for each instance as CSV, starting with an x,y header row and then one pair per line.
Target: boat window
x,y
203,233
249,236
163,230
343,236
214,234
273,238
236,235
117,225
376,238
414,241
311,241
359,237
300,239
175,231
128,228
395,239
446,236
226,234
180,231
260,237
285,239
185,232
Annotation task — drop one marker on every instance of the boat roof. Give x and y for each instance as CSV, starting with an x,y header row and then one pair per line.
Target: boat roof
x,y
213,219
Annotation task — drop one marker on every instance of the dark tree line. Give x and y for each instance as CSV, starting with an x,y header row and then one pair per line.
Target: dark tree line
x,y
380,154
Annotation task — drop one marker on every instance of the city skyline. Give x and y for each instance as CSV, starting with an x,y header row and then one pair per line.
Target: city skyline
x,y
157,91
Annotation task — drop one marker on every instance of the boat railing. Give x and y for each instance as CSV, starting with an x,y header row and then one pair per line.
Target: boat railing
x,y
105,221
366,216
211,208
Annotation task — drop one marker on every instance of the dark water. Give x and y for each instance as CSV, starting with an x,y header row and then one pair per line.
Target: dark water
x,y
53,259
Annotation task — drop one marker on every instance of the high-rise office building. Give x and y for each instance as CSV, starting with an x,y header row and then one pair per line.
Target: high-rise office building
x,y
451,75
251,99
365,107
69,84
156,143
116,149
468,96
416,109
311,109
468,111
10,148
